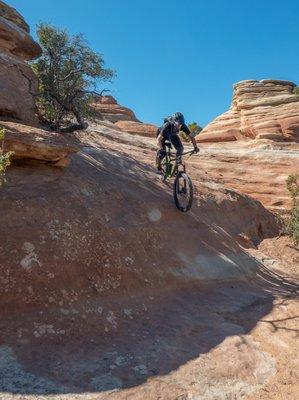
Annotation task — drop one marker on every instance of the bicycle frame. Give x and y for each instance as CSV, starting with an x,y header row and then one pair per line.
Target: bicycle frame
x,y
172,166
172,169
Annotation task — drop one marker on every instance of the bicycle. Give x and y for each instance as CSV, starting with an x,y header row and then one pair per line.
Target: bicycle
x,y
173,167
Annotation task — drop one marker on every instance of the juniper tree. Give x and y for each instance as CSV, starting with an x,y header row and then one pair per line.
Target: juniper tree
x,y
68,72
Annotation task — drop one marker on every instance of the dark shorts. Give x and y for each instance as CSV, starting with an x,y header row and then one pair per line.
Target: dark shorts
x,y
176,142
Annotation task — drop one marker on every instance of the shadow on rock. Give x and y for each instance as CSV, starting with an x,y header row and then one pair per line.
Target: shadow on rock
x,y
184,285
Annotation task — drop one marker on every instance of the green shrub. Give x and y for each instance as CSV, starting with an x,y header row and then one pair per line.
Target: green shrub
x,y
292,224
4,158
194,128
68,72
184,137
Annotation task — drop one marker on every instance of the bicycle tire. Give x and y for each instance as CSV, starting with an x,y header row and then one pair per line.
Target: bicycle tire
x,y
176,191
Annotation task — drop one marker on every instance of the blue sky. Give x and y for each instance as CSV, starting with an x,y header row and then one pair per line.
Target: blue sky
x,y
180,55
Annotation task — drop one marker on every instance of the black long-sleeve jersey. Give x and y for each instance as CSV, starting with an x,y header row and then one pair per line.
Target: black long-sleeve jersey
x,y
169,129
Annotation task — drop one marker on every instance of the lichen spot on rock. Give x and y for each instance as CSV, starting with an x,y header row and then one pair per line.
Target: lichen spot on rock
x,y
154,215
31,259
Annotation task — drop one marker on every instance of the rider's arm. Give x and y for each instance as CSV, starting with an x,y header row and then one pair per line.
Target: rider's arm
x,y
194,143
186,130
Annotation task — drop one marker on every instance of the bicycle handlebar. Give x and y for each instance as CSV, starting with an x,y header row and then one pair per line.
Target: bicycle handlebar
x,y
189,152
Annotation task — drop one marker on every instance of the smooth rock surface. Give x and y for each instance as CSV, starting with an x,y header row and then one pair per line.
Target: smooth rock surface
x,y
109,291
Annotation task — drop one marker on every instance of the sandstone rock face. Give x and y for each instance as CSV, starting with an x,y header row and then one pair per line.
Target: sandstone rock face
x,y
107,108
14,34
17,81
266,109
17,84
32,143
12,15
137,128
258,168
108,290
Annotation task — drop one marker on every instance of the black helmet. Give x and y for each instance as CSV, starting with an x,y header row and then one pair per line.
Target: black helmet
x,y
178,117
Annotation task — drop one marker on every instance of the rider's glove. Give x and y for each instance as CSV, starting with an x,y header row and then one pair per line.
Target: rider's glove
x,y
196,149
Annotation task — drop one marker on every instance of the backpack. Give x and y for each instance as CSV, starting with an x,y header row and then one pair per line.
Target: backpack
x,y
166,119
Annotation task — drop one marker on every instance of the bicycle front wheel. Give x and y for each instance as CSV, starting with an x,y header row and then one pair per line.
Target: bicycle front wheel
x,y
183,192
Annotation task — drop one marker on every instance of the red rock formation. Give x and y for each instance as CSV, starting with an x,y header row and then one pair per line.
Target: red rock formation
x,y
107,108
98,229
14,34
10,14
32,143
18,82
107,289
258,168
266,109
99,272
137,128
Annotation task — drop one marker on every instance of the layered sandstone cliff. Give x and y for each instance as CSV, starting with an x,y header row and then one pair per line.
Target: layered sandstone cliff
x,y
18,84
17,81
266,109
32,143
137,128
107,109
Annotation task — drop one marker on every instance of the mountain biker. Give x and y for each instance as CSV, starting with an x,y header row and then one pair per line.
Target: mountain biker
x,y
169,131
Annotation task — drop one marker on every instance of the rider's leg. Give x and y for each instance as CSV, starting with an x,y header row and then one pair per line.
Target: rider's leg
x,y
161,153
176,142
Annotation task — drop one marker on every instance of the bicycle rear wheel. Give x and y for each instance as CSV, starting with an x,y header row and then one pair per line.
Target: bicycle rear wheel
x,y
183,192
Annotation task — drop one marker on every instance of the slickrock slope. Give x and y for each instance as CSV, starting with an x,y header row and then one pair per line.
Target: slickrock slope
x,y
266,109
17,81
258,168
108,290
106,108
